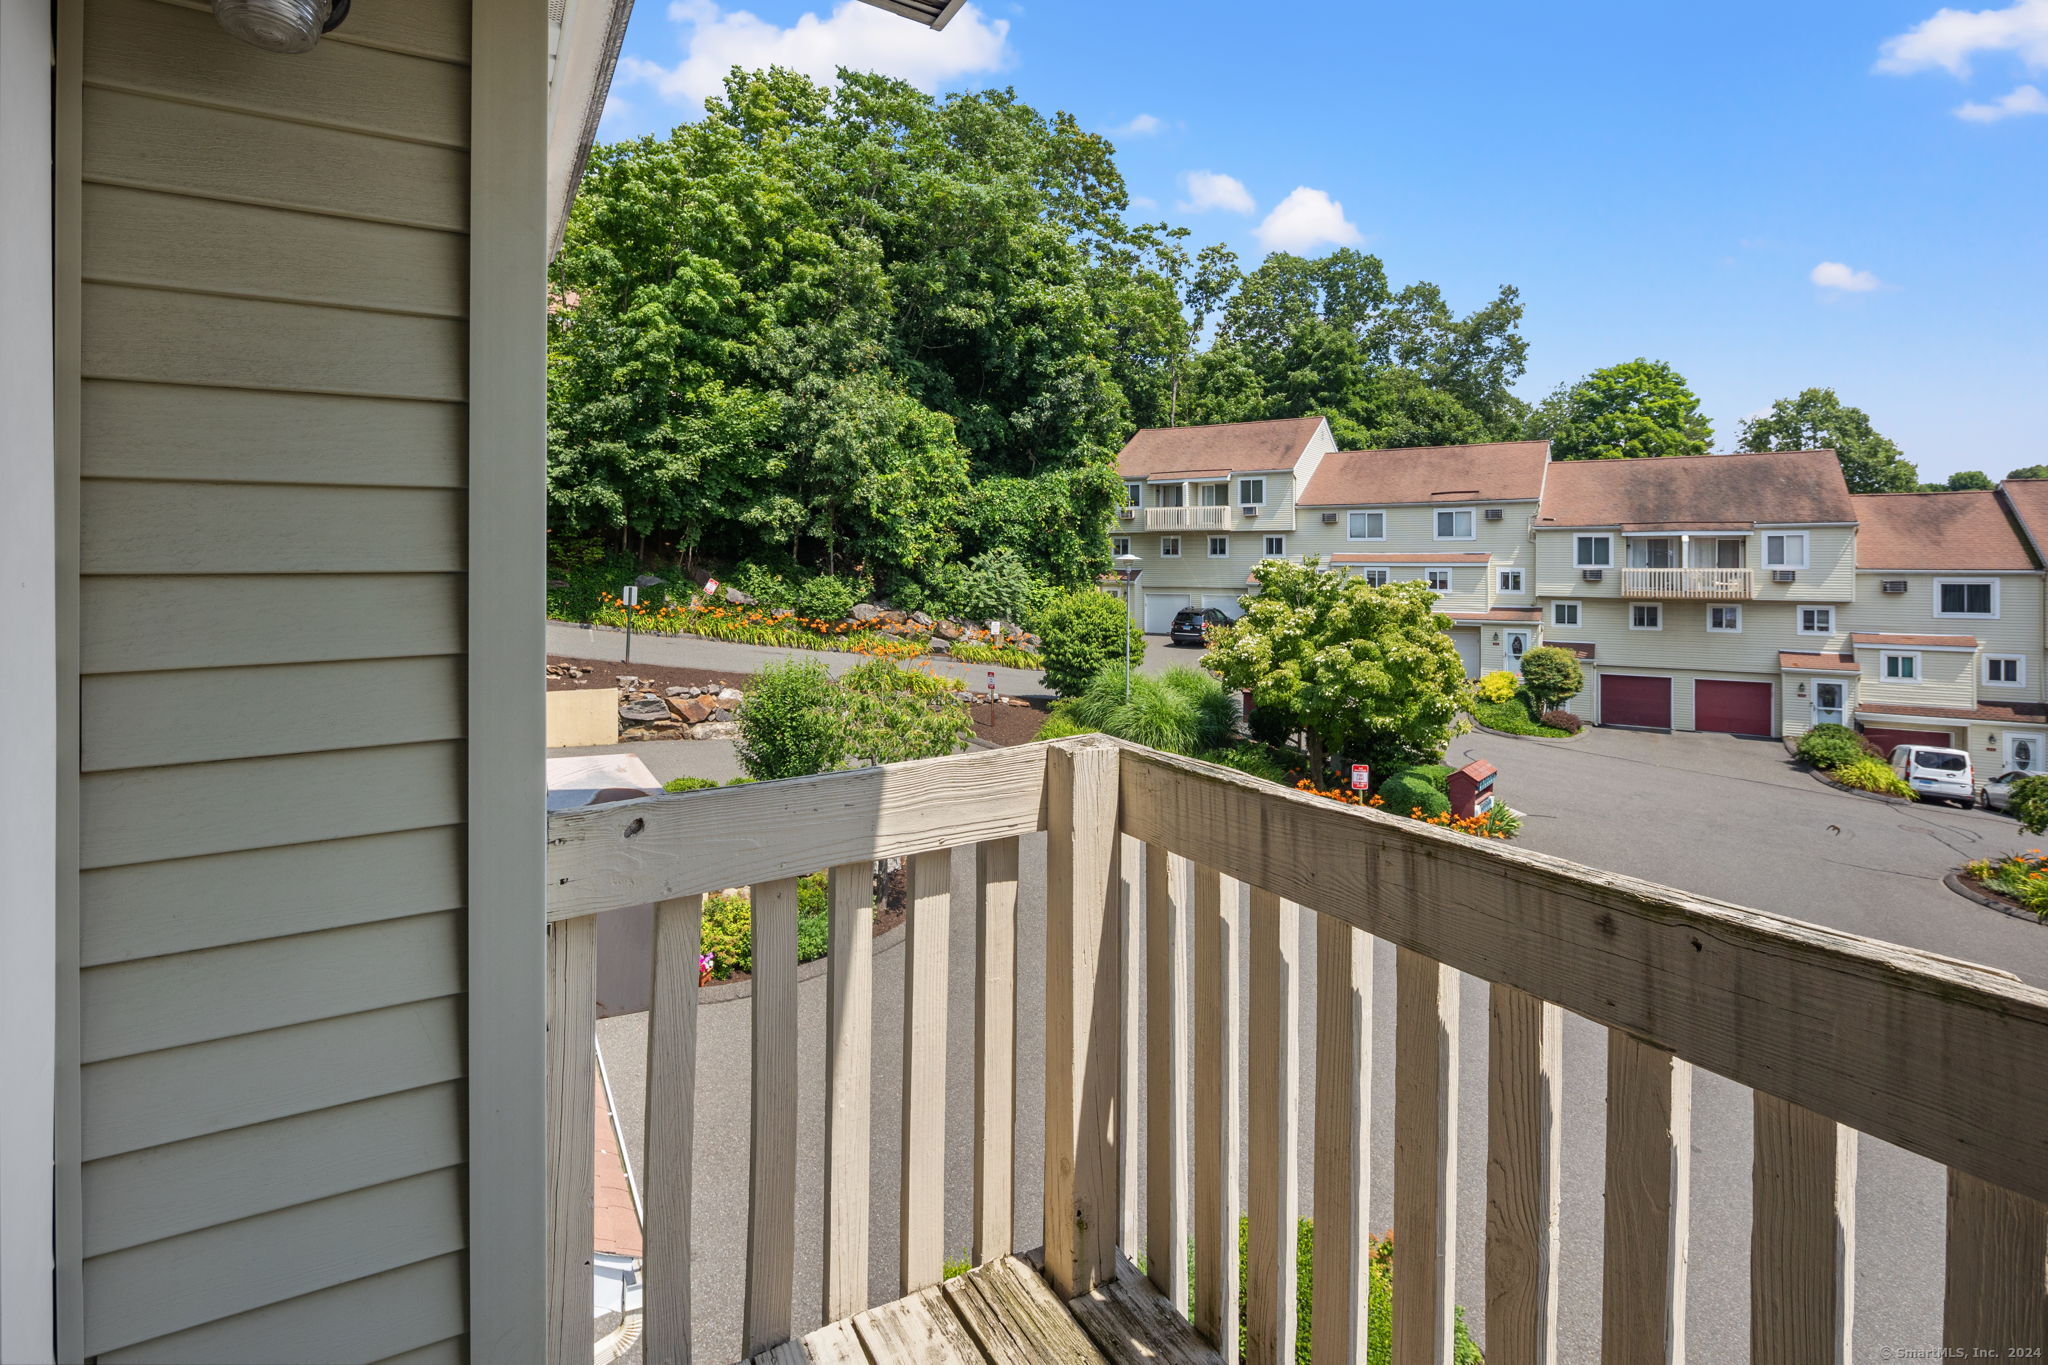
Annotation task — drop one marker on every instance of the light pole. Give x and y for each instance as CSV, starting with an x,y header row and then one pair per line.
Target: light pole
x,y
1128,572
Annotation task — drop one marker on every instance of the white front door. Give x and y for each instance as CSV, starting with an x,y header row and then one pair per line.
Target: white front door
x,y
1827,703
1514,644
2025,754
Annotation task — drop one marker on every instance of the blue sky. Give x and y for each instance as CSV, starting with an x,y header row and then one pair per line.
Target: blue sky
x,y
1769,196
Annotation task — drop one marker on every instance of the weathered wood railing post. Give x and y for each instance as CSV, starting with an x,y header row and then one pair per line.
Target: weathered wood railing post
x,y
572,1135
1083,1053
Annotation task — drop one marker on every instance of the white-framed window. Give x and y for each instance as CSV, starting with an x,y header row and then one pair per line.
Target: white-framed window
x,y
1785,550
1564,614
1646,616
1439,579
1510,580
1902,668
1252,491
1592,552
1966,597
1376,577
1367,526
1727,620
1134,493
1119,545
1454,523
1276,546
1816,620
2005,670
1169,547
1212,494
1219,547
2025,753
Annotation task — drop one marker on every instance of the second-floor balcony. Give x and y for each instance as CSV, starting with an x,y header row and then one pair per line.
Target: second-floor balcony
x,y
1190,518
1723,584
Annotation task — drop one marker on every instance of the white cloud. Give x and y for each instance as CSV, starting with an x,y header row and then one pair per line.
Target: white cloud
x,y
1143,202
856,35
1953,36
1213,190
1306,219
1144,125
2027,99
1835,275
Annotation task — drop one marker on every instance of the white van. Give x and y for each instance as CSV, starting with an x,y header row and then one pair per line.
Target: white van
x,y
1935,774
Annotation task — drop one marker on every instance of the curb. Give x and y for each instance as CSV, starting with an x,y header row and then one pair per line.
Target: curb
x,y
1540,739
1829,782
1968,890
809,971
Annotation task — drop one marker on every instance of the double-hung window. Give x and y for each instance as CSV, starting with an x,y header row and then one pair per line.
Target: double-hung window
x,y
1276,546
1564,613
1376,577
1367,526
1169,547
1119,545
1727,620
1646,616
1510,580
1219,547
1816,620
1966,597
1592,552
1902,668
1252,492
1439,580
1134,493
1454,523
2005,670
1785,550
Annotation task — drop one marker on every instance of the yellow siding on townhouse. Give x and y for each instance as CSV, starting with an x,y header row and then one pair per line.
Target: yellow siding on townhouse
x,y
1829,576
2016,630
1947,678
1411,529
274,445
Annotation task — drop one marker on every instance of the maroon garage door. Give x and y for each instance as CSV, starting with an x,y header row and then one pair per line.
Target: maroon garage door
x,y
1631,700
1889,740
1732,708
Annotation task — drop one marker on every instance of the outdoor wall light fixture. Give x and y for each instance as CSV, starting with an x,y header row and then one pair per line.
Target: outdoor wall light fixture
x,y
286,26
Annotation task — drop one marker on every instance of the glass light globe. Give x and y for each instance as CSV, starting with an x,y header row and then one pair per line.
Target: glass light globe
x,y
275,25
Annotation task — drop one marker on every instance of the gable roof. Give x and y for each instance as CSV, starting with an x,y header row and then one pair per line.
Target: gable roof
x,y
1771,486
2027,499
1966,529
1228,446
1490,471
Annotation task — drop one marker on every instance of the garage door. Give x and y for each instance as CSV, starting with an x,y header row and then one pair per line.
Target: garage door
x,y
1732,708
1467,641
1626,699
1160,609
1889,740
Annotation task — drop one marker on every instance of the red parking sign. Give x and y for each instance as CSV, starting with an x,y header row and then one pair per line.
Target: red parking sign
x,y
1361,776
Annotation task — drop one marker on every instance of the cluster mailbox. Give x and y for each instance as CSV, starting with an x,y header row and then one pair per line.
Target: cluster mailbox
x,y
1471,788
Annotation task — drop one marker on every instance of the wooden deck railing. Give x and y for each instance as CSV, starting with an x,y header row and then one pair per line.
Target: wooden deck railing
x,y
1833,1033
1725,584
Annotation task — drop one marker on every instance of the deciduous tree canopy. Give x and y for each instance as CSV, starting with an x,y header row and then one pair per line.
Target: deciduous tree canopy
x,y
1817,420
1629,411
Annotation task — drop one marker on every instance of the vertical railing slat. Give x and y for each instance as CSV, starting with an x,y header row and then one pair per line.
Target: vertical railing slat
x,y
1649,1177
995,1046
1802,1236
1524,1124
1343,1130
849,1072
1083,1050
771,1175
1997,1247
572,1136
1425,1158
1272,1199
1130,1034
1166,1074
921,1225
1217,1102
671,1130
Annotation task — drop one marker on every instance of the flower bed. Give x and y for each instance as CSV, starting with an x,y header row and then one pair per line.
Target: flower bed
x,y
1511,717
761,626
1498,823
985,650
2019,877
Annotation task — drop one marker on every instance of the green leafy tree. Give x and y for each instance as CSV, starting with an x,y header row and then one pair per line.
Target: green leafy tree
x,y
894,727
1815,419
2030,471
2029,804
1552,676
1637,409
1368,672
792,722
1080,634
1965,479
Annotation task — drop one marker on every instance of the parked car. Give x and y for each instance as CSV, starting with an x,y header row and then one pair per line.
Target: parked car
x,y
1998,790
1191,624
1935,774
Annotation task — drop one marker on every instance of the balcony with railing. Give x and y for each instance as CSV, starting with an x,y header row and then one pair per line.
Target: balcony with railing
x,y
1722,584
1158,872
1190,518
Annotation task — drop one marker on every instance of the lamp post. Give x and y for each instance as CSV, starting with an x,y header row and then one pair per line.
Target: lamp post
x,y
1128,571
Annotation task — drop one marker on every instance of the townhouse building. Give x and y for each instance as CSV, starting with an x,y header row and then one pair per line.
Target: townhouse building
x,y
1750,594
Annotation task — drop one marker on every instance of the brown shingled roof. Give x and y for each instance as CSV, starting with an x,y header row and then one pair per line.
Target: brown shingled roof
x,y
1275,444
1347,557
1957,530
1491,471
1881,640
1817,663
1511,614
1772,486
2019,712
2028,501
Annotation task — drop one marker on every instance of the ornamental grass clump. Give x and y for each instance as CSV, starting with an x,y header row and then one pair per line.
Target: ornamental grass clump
x,y
1871,775
1181,710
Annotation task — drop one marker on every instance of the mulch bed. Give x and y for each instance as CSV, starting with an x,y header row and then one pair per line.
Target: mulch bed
x,y
606,672
1007,725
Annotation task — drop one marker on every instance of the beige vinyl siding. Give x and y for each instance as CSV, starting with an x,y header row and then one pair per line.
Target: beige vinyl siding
x,y
1948,677
2017,629
1411,529
1829,576
1685,642
273,538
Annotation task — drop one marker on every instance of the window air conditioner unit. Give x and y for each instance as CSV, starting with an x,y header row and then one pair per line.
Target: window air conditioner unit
x,y
1329,518
1494,514
1784,575
1250,509
1893,585
1127,513
1592,575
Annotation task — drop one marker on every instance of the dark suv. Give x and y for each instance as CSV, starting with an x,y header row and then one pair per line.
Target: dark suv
x,y
1191,625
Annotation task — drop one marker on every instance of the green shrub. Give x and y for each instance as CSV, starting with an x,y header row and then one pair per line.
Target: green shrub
x,y
2029,804
1551,675
1182,710
687,784
729,928
1272,724
1511,717
1062,725
1558,719
1831,746
886,675
827,598
996,586
765,585
1405,791
1438,775
1255,759
1871,775
1082,632
2023,876
792,723
1498,686
1501,823
894,727
1002,656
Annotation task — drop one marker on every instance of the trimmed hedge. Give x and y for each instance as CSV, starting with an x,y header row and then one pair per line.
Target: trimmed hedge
x,y
1405,791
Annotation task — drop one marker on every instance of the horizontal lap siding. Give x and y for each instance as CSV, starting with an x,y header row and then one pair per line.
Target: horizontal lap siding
x,y
273,540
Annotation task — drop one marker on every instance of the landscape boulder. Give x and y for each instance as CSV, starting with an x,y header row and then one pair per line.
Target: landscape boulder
x,y
643,712
867,611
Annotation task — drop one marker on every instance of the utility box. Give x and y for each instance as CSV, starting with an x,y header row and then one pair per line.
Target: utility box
x,y
1471,788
